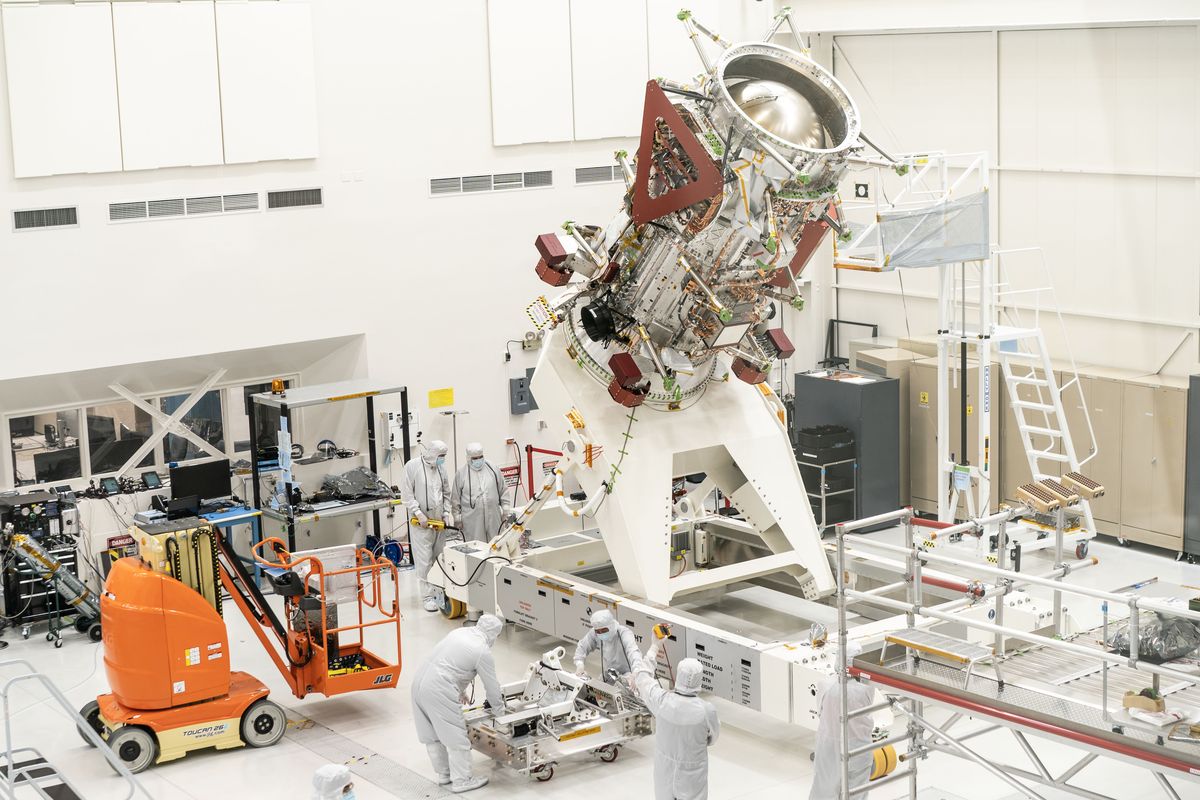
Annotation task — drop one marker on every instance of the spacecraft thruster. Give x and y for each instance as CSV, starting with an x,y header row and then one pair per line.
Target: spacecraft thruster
x,y
732,190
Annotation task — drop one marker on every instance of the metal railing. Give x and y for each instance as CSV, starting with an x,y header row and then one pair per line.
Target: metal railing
x,y
922,737
35,771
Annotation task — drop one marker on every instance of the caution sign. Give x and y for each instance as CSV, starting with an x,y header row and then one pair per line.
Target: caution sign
x,y
924,398
511,475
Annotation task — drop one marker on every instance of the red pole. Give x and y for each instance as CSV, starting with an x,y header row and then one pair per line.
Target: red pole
x,y
954,586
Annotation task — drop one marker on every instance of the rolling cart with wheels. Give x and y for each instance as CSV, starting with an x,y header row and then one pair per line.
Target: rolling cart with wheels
x,y
46,588
554,715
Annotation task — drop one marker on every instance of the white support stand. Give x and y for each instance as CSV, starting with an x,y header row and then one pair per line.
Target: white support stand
x,y
972,300
735,436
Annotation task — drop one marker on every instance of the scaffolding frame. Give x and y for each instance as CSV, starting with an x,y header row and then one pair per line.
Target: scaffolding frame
x,y
909,698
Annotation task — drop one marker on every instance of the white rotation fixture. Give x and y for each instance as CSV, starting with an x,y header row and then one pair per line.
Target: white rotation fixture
x,y
735,436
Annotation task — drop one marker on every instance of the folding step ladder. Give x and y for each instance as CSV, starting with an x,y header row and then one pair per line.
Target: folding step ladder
x,y
1039,413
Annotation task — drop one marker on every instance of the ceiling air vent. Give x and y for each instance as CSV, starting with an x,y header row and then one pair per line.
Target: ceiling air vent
x,y
118,212
64,217
294,198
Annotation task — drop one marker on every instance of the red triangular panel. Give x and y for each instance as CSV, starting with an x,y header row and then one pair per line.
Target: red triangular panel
x,y
811,236
708,176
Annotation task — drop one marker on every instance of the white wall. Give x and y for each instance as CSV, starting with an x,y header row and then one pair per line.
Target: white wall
x,y
437,285
1093,134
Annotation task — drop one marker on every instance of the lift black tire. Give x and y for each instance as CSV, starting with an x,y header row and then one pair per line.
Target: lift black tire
x,y
94,632
82,623
263,724
135,747
544,773
91,715
58,643
49,637
609,753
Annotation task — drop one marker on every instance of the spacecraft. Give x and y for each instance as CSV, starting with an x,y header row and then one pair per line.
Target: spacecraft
x,y
733,187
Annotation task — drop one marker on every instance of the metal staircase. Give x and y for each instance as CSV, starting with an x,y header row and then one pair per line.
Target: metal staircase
x,y
1037,403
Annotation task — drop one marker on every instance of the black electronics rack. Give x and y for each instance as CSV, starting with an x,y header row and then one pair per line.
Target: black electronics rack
x,y
49,518
28,600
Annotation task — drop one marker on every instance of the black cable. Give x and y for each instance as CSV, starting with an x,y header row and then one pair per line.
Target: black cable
x,y
687,93
877,148
507,353
475,572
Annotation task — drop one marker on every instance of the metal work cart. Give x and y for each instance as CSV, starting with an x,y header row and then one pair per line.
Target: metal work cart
x,y
288,402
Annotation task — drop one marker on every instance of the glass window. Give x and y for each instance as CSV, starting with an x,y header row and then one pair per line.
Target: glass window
x,y
45,447
204,419
115,432
266,419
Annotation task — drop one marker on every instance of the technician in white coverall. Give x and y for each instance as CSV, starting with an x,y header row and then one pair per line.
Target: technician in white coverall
x,y
479,501
438,693
685,727
827,761
332,782
425,489
616,643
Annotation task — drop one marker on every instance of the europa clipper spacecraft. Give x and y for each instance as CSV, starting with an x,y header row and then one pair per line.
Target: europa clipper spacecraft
x,y
734,186
669,309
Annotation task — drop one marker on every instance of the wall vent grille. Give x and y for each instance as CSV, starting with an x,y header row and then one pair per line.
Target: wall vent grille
x,y
166,208
294,198
598,174
182,207
65,217
499,182
204,205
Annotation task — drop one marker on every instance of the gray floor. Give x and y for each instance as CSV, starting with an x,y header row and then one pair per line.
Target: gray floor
x,y
755,757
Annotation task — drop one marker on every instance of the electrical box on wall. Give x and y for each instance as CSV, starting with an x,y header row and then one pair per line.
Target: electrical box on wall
x,y
520,397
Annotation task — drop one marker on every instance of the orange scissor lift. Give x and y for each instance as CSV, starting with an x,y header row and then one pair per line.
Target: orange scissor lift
x,y
166,647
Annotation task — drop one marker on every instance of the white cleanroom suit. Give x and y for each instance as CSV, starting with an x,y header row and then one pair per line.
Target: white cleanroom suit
x,y
685,727
332,782
616,643
827,760
479,501
425,489
437,694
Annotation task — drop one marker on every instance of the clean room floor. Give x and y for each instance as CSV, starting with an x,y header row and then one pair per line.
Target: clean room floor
x,y
755,757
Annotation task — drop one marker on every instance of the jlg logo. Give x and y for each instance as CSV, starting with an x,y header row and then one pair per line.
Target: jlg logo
x,y
382,679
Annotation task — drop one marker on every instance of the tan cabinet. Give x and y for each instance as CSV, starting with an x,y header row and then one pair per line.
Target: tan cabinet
x,y
1153,459
923,412
1104,395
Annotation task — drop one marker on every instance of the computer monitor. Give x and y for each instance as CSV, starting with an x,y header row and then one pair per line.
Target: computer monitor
x,y
207,481
20,426
57,465
113,454
100,430
180,507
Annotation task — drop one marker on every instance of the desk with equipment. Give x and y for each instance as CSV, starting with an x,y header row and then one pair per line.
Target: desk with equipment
x,y
202,489
332,483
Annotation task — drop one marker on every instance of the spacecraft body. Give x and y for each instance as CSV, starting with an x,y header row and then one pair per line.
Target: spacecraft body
x,y
662,337
734,186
